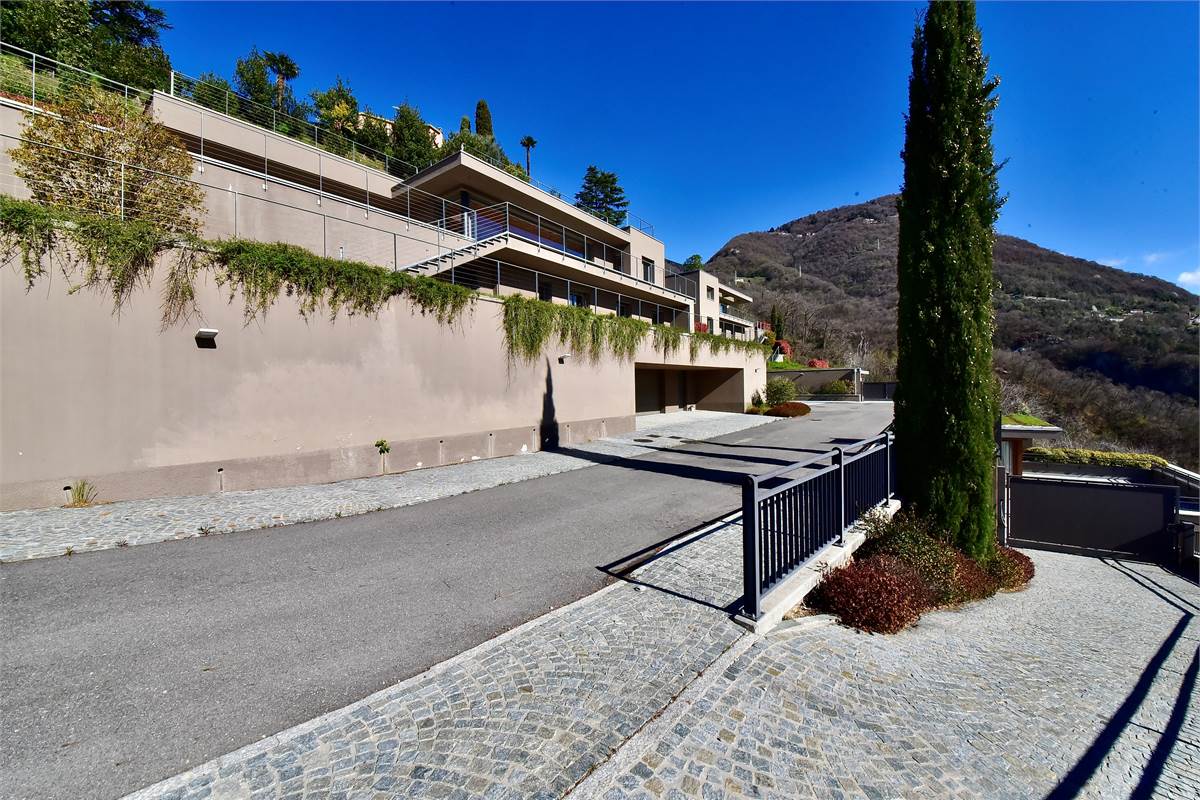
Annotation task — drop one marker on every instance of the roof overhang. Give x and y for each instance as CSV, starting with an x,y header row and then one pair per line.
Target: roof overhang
x,y
462,170
1010,432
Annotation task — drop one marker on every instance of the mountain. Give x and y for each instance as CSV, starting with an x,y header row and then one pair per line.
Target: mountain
x,y
1059,320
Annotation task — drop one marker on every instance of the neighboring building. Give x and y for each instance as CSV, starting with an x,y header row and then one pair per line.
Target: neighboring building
x,y
435,133
720,309
289,400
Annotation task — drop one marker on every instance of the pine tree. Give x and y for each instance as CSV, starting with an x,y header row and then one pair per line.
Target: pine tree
x,y
483,119
602,195
945,407
410,138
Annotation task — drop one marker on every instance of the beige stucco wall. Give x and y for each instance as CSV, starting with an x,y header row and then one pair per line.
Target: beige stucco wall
x,y
86,394
143,412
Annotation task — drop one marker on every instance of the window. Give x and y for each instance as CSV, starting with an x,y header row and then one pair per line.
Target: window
x,y
545,290
648,270
709,326
579,299
712,293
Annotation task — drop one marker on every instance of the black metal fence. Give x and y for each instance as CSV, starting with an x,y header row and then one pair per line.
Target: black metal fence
x,y
786,521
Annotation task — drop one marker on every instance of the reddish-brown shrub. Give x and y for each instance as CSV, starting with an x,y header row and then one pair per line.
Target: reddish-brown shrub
x,y
793,408
818,363
971,581
911,539
880,594
1010,568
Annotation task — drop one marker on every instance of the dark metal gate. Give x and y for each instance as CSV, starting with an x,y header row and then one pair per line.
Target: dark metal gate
x,y
1127,520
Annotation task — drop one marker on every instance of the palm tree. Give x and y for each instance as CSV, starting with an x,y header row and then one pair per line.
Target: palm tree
x,y
528,142
285,69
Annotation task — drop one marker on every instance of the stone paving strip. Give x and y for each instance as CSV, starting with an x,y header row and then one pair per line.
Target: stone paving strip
x,y
45,532
526,715
1008,698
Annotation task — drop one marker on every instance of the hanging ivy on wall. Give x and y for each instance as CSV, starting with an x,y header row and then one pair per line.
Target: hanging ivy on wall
x,y
531,325
118,256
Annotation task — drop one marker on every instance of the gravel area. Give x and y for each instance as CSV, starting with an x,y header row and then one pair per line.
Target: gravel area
x,y
46,532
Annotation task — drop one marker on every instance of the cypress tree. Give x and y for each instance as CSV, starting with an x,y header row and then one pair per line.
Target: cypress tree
x,y
483,119
945,406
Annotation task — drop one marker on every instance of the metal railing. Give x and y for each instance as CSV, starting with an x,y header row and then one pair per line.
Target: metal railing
x,y
501,278
633,220
788,521
274,211
725,312
42,82
532,227
218,97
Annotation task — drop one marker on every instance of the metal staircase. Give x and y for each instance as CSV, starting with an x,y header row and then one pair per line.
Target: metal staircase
x,y
478,249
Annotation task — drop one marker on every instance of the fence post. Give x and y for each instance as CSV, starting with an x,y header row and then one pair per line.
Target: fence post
x,y
33,81
887,454
122,190
751,580
839,458
497,277
172,83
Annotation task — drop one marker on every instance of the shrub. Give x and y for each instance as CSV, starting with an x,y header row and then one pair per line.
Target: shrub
x,y
756,399
880,594
784,347
1060,455
971,581
836,387
701,327
780,390
818,363
793,408
1010,568
911,539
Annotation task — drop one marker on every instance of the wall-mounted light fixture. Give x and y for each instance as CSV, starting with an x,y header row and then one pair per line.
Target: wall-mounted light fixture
x,y
206,338
563,358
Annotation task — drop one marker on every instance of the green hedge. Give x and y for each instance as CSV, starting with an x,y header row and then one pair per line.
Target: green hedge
x,y
1100,458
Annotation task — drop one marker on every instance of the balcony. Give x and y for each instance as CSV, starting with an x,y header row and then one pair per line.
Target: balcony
x,y
528,226
727,312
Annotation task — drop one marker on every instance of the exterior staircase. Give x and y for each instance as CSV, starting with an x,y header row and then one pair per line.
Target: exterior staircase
x,y
440,263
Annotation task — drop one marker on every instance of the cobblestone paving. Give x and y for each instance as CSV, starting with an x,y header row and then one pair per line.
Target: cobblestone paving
x,y
526,715
1009,698
41,533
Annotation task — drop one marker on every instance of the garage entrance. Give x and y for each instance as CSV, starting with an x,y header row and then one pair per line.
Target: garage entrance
x,y
660,389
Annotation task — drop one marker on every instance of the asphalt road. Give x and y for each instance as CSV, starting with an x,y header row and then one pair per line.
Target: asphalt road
x,y
123,667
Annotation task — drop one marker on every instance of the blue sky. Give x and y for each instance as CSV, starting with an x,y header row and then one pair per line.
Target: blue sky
x,y
722,119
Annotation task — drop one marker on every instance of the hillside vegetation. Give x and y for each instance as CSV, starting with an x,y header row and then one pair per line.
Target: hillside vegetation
x,y
1109,355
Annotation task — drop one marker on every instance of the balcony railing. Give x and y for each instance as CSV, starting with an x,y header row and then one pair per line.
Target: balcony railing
x,y
543,232
632,219
728,314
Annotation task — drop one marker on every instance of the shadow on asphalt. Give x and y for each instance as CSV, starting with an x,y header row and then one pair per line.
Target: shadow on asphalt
x,y
661,468
622,568
1075,780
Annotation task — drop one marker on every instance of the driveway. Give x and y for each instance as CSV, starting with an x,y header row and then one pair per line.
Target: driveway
x,y
122,667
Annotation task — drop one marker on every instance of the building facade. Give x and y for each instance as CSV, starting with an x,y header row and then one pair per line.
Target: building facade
x,y
143,411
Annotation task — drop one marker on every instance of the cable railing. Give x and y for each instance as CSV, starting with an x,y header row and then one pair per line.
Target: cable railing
x,y
40,81
220,98
633,220
503,278
788,521
536,229
275,211
43,83
738,318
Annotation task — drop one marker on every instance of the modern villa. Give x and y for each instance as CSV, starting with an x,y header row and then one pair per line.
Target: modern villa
x,y
223,403
719,309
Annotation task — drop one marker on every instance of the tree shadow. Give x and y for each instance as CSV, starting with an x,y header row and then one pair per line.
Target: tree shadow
x,y
1092,759
548,427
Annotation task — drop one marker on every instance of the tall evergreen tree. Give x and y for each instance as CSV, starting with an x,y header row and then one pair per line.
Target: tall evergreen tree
x,y
777,323
410,137
945,406
602,195
483,119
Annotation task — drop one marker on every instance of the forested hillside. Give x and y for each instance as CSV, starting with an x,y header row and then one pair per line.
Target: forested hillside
x,y
1110,355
